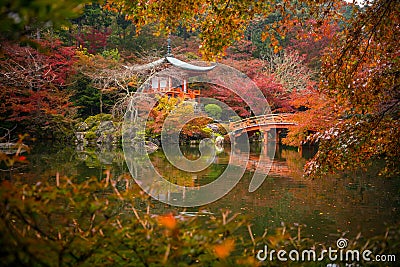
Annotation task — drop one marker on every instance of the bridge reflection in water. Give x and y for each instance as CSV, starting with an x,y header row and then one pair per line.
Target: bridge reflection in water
x,y
267,166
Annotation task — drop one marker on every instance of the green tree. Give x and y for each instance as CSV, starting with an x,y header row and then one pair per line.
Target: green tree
x,y
85,97
214,111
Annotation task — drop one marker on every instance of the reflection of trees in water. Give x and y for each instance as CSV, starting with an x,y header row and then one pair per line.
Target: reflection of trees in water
x,y
45,162
183,178
171,173
295,162
355,202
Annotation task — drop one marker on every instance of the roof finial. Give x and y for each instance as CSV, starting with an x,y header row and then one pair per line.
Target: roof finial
x,y
169,53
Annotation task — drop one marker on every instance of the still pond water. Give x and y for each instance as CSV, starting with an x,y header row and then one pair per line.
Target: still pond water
x,y
360,202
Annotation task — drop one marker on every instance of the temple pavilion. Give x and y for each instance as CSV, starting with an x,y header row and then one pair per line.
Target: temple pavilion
x,y
164,84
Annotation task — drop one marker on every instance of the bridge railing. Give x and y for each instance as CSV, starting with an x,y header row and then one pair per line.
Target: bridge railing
x,y
260,120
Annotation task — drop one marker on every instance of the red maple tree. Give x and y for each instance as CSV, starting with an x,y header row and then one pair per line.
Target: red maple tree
x,y
33,79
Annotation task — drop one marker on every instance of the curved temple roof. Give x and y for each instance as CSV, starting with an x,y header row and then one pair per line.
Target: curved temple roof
x,y
174,61
146,66
187,66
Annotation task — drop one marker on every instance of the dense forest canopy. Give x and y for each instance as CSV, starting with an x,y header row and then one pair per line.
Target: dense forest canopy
x,y
334,65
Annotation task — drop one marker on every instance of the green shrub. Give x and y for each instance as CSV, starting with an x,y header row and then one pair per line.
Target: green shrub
x,y
111,53
214,111
95,120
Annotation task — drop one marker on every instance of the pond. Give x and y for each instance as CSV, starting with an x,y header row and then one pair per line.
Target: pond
x,y
327,207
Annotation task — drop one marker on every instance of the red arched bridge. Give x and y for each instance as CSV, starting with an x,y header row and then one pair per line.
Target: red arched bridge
x,y
263,124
